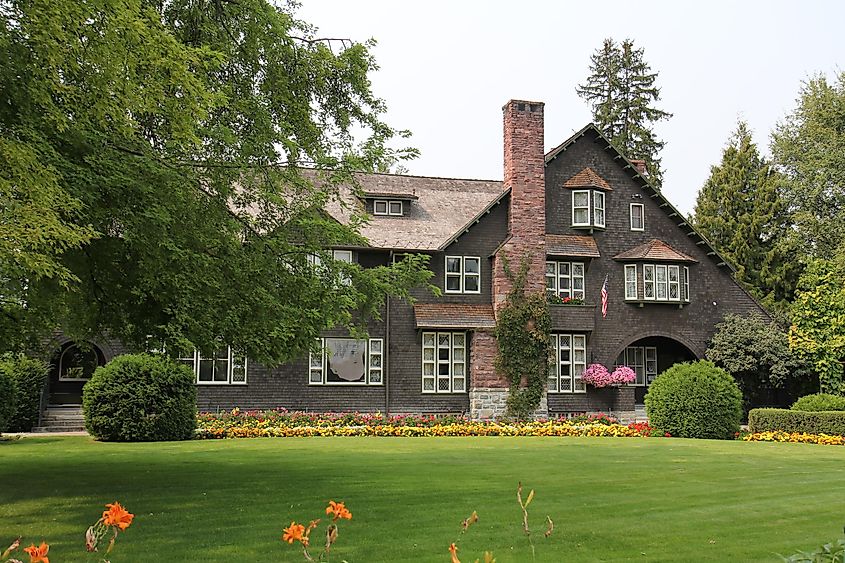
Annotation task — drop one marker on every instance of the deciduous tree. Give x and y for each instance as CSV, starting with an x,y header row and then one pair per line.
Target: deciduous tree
x,y
155,153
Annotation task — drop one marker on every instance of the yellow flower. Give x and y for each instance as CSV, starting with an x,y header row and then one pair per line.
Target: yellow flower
x,y
453,551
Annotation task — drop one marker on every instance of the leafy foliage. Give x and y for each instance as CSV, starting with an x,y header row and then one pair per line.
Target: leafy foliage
x,y
695,400
152,179
785,420
8,394
622,93
741,212
818,329
29,376
809,149
756,352
140,398
523,329
818,402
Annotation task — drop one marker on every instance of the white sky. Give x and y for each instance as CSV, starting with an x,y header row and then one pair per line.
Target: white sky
x,y
447,67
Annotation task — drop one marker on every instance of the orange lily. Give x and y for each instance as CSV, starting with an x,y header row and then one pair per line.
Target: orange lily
x,y
453,550
38,554
339,510
293,533
117,516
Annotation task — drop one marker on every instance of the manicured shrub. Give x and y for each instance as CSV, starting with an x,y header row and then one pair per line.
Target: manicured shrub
x,y
695,400
140,398
767,420
29,376
7,399
818,402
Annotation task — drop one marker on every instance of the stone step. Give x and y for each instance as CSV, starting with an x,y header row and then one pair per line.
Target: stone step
x,y
52,429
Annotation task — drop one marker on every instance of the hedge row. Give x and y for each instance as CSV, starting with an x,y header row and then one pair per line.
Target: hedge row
x,y
768,420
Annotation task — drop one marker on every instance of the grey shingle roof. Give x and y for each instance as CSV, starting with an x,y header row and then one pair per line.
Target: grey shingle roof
x,y
453,315
572,245
444,206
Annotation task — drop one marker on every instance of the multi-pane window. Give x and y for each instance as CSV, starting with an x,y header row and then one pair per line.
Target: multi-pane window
x,y
565,279
387,207
463,274
637,217
444,360
224,366
588,208
630,281
660,282
686,284
347,361
567,363
643,360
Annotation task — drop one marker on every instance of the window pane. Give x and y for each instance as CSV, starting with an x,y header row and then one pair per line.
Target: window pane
x,y
345,360
375,376
396,208
471,265
428,384
458,384
428,369
443,384
471,283
428,339
453,264
428,354
380,208
550,268
581,199
453,282
582,216
206,370
458,339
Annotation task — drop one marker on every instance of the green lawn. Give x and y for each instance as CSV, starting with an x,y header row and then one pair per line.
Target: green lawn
x,y
611,499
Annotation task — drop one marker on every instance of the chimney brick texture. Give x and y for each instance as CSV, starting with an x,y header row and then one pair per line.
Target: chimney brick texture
x,y
524,161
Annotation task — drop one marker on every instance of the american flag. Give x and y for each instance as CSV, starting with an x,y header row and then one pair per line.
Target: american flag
x,y
604,298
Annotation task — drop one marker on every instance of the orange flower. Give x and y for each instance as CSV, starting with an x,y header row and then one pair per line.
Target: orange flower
x,y
293,533
339,510
453,550
38,554
117,516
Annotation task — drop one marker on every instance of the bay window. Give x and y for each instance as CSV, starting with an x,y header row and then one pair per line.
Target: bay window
x,y
588,208
661,282
565,279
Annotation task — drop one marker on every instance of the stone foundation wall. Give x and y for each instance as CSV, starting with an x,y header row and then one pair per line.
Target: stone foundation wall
x,y
491,403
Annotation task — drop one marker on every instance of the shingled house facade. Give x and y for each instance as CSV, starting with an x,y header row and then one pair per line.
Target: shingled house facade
x,y
580,214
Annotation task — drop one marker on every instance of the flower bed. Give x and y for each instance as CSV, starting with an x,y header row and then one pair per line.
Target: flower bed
x,y
795,437
284,424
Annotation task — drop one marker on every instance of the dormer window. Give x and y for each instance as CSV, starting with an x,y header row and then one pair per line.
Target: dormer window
x,y
588,208
588,199
393,207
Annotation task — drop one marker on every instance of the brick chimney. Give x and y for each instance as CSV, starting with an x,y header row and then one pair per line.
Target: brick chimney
x,y
639,164
525,176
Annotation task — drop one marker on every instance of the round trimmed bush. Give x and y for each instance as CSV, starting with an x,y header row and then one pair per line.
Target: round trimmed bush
x,y
819,402
140,398
695,400
8,392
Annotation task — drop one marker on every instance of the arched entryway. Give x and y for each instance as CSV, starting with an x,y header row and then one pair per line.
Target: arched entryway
x,y
70,368
651,356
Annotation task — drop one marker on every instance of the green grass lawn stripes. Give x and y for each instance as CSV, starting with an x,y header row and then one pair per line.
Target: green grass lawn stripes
x,y
611,499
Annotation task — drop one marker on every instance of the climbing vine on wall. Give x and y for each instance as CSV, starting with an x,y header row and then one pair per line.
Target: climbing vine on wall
x,y
523,334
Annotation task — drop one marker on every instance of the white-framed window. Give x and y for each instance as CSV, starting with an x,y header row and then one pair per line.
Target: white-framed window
x,y
339,255
463,274
444,361
630,281
565,279
567,363
388,207
581,208
598,209
347,361
637,217
643,360
588,208
660,282
223,367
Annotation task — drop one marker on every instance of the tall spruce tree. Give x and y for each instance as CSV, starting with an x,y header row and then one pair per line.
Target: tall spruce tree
x,y
622,94
741,212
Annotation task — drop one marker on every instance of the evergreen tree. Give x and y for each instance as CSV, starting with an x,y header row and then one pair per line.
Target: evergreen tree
x,y
621,91
742,214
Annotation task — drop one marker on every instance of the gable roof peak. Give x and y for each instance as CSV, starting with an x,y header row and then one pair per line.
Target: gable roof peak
x,y
655,250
